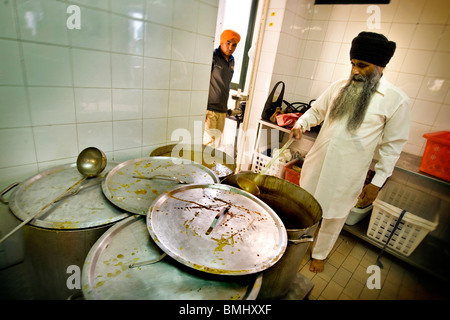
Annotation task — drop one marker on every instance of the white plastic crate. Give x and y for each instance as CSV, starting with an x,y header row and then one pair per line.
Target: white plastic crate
x,y
260,161
421,217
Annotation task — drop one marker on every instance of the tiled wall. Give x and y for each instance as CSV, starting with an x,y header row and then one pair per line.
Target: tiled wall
x,y
307,47
135,71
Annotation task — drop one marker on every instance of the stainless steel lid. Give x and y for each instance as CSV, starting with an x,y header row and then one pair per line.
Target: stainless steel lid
x,y
87,208
106,273
137,194
217,229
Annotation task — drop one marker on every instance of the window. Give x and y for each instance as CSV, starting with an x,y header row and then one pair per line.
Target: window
x,y
238,15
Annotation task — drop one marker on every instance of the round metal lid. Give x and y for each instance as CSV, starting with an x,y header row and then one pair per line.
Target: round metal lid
x,y
106,273
217,229
84,209
128,188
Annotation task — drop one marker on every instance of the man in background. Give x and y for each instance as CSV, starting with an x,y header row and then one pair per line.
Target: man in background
x,y
358,114
222,71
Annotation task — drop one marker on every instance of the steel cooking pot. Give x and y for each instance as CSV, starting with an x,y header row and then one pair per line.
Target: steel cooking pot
x,y
107,274
300,213
134,184
222,164
64,233
217,229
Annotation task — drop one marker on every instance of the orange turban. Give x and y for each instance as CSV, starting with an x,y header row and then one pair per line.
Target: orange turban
x,y
228,35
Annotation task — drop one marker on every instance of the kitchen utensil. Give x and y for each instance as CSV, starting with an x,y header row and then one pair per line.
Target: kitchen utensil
x,y
252,185
90,162
136,195
146,263
162,177
249,238
216,218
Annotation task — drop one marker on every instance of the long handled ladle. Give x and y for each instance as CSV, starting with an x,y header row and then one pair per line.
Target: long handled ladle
x,y
252,185
90,163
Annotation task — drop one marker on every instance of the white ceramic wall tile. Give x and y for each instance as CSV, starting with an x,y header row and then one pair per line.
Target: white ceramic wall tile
x,y
91,68
10,65
183,45
156,73
409,83
43,21
96,134
444,43
425,112
408,13
155,104
416,61
7,20
47,65
179,103
442,119
435,12
98,4
201,77
14,108
159,11
181,75
55,142
131,8
402,34
204,48
127,134
426,37
176,127
127,104
17,145
317,30
158,41
207,19
127,35
95,31
185,14
335,31
127,71
196,129
50,106
433,89
199,100
330,51
93,105
154,131
440,64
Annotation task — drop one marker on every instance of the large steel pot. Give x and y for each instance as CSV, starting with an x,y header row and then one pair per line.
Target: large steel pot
x,y
222,164
107,274
62,235
300,213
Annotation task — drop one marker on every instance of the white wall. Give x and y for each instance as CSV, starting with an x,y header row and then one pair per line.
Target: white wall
x,y
135,71
307,47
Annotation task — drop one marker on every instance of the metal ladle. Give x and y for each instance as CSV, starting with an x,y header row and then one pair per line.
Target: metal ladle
x,y
90,163
252,185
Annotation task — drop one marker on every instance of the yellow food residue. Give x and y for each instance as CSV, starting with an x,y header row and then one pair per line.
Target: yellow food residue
x,y
141,191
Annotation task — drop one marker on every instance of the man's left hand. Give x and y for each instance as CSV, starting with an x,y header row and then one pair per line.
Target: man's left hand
x,y
368,195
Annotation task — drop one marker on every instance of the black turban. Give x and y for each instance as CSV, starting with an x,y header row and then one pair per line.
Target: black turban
x,y
372,47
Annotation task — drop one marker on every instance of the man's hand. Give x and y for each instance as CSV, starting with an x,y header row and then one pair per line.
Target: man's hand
x,y
368,195
296,132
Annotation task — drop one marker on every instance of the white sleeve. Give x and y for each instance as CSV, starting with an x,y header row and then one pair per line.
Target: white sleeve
x,y
394,137
316,114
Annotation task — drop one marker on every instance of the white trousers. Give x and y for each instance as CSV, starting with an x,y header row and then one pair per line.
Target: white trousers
x,y
326,238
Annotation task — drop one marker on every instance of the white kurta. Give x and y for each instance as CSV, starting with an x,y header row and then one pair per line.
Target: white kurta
x,y
335,168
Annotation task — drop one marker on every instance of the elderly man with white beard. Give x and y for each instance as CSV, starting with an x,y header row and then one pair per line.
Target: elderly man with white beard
x,y
357,115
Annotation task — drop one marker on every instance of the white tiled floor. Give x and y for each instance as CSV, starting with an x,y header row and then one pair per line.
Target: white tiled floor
x,y
345,277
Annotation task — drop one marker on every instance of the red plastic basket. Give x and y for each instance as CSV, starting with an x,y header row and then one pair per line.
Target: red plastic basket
x,y
290,174
436,157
